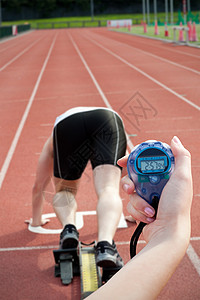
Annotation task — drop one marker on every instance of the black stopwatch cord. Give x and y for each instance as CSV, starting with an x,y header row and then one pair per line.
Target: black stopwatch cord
x,y
135,237
138,231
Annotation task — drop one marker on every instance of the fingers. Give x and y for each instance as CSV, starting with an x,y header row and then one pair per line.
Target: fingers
x,y
127,185
122,162
140,210
130,219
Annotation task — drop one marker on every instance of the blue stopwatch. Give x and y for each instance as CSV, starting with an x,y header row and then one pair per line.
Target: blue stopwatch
x,y
150,166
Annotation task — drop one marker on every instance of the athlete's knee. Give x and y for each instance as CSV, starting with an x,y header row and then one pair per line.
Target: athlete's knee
x,y
65,185
109,189
108,195
109,199
64,198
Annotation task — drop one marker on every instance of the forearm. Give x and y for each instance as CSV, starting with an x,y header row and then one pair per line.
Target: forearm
x,y
37,207
148,272
156,263
43,176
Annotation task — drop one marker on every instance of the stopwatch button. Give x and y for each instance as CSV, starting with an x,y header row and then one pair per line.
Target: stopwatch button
x,y
154,179
143,178
144,191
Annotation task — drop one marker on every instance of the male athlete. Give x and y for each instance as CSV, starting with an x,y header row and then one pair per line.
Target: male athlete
x,y
83,134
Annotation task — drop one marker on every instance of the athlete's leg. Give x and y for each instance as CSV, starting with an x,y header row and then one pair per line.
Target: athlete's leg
x,y
109,208
70,160
64,201
65,206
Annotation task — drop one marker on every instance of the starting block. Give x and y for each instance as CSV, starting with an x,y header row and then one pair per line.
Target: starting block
x,y
89,272
81,262
67,264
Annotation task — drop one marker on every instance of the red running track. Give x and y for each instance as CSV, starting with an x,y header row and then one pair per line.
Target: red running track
x,y
154,86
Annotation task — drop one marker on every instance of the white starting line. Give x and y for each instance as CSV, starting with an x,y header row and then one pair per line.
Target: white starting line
x,y
79,222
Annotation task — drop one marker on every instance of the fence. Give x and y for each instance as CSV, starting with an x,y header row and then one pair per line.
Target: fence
x,y
76,24
8,30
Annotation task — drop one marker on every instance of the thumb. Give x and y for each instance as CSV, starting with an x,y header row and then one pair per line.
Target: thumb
x,y
182,158
176,196
122,162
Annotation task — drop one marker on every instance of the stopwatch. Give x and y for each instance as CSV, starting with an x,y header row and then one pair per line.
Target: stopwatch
x,y
150,166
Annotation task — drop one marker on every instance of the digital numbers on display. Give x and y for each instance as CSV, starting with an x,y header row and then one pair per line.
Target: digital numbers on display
x,y
152,165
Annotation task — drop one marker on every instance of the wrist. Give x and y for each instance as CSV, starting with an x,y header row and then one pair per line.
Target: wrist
x,y
176,232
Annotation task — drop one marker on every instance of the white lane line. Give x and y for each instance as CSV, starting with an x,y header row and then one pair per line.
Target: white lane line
x,y
56,246
172,130
47,125
157,57
175,118
23,120
174,50
147,75
195,260
20,54
5,49
168,61
11,45
9,249
192,255
130,145
90,73
12,38
27,248
195,238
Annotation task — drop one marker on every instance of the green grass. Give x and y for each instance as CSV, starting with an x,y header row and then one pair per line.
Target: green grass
x,y
78,22
137,18
161,30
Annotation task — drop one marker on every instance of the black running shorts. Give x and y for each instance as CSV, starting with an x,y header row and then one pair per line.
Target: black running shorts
x,y
96,135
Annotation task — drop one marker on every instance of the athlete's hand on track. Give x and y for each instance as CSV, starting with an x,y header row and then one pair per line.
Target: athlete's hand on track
x,y
43,222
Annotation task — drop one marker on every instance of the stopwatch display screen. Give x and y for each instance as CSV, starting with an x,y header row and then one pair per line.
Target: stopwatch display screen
x,y
148,163
152,164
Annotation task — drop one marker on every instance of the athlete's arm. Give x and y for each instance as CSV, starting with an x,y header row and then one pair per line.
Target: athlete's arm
x,y
168,237
43,176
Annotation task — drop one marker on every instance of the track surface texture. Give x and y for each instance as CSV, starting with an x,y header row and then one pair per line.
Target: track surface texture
x,y
154,86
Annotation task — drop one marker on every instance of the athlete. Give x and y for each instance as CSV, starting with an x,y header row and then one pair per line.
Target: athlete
x,y
167,236
83,134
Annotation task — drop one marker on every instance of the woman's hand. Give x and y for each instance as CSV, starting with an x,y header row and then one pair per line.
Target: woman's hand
x,y
175,202
174,206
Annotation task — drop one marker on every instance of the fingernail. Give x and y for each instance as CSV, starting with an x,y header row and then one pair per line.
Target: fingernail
x,y
150,220
149,211
176,140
